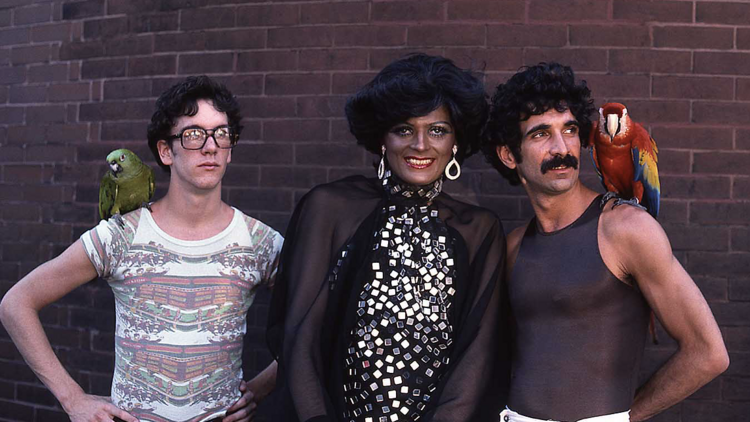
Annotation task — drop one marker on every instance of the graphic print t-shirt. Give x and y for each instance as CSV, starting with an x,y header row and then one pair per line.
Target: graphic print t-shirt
x,y
180,310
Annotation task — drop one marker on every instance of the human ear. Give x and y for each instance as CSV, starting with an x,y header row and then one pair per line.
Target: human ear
x,y
165,152
504,154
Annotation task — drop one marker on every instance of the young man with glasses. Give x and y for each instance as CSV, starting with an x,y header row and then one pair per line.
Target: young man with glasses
x,y
184,273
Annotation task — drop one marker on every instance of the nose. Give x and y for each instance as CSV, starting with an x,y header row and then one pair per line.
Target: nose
x,y
419,142
211,145
558,145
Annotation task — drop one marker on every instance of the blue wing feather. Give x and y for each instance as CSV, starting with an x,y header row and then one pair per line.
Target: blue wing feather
x,y
646,172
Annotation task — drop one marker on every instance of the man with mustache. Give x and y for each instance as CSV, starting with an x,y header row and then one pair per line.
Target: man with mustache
x,y
584,276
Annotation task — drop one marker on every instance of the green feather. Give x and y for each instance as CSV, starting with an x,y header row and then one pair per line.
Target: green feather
x,y
126,186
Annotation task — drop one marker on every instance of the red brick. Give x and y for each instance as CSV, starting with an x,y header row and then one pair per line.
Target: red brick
x,y
612,35
103,68
580,59
22,173
722,63
379,58
692,137
482,59
288,130
46,114
155,22
259,61
525,35
299,37
334,59
208,18
408,11
119,89
32,14
567,10
105,28
16,411
653,11
31,54
445,34
116,110
700,88
321,106
5,17
51,32
695,187
182,41
743,139
297,84
240,175
743,89
617,86
713,289
697,238
69,92
329,155
693,37
28,94
66,132
116,7
736,389
4,57
82,9
123,131
743,38
348,12
370,35
129,46
741,243
268,15
673,161
723,264
741,188
657,111
348,83
11,115
717,162
12,75
264,153
261,199
236,39
206,63
721,113
298,177
151,65
495,11
81,50
736,338
262,107
48,72
14,36
649,61
727,13
243,84
720,213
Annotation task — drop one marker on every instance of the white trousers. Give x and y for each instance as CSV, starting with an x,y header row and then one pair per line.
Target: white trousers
x,y
508,415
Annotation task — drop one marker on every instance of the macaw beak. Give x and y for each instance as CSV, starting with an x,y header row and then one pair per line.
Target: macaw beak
x,y
613,125
115,168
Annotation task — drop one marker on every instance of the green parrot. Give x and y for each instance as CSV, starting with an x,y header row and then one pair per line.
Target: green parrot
x,y
126,186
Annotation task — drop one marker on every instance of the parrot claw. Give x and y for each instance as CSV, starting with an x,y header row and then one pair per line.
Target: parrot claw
x,y
607,196
633,202
118,219
147,205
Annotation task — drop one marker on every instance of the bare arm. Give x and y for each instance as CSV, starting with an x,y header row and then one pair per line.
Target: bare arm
x,y
19,312
637,245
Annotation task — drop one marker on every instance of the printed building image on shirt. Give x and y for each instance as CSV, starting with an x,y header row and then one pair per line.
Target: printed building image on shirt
x,y
180,308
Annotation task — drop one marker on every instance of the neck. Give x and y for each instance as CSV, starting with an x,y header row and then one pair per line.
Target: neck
x,y
554,212
192,214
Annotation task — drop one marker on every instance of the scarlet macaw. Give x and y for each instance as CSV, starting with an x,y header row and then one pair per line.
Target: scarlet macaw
x,y
625,156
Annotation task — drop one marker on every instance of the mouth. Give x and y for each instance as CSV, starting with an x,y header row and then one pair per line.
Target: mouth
x,y
419,162
209,166
115,168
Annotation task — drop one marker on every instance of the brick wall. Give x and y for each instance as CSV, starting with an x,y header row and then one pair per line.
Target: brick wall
x,y
79,78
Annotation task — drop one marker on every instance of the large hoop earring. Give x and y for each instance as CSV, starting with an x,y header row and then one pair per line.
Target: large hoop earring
x,y
381,166
453,163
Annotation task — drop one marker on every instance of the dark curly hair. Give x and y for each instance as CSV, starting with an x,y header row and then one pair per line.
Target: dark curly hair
x,y
532,91
182,100
415,86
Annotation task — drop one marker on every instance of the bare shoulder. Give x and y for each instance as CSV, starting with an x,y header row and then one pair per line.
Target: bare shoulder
x,y
629,225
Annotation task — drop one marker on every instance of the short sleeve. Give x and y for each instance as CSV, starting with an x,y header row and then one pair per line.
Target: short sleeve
x,y
105,246
275,243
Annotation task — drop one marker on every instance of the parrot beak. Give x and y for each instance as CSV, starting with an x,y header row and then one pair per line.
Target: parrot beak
x,y
115,168
613,125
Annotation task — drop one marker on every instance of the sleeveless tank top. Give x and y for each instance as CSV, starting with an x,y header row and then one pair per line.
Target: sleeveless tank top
x,y
579,332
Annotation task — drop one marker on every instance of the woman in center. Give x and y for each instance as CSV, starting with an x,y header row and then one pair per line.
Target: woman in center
x,y
387,306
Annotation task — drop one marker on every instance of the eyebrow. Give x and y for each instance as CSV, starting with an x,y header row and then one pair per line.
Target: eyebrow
x,y
204,128
543,126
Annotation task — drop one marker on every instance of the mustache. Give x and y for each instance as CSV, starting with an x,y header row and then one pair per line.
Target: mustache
x,y
557,161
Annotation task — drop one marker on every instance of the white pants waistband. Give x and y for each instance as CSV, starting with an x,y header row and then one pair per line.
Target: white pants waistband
x,y
508,415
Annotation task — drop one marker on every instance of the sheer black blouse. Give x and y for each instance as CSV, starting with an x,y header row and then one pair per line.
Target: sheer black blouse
x,y
327,248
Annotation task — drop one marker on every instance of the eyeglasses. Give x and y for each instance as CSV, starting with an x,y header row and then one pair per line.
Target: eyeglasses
x,y
195,138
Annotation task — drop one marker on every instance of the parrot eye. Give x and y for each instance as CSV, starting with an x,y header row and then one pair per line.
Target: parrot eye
x,y
122,157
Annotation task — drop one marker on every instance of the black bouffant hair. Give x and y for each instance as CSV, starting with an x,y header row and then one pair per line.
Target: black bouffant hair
x,y
182,100
415,86
532,91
